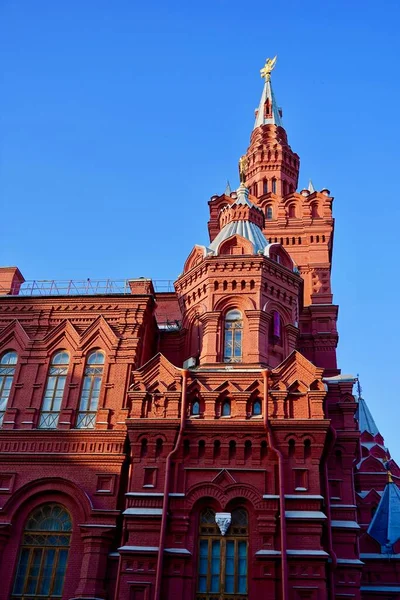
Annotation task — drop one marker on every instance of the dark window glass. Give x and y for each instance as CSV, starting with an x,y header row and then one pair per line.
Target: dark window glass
x,y
226,408
54,392
222,563
7,370
91,390
233,336
43,556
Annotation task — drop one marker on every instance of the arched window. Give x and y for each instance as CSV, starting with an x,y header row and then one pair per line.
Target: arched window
x,y
276,328
195,408
44,553
217,449
264,449
292,211
274,186
269,213
159,447
232,449
54,391
292,447
226,409
91,390
247,449
143,448
7,370
314,210
222,565
256,408
265,186
201,449
233,336
307,449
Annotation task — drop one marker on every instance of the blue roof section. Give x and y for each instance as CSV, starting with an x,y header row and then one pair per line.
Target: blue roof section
x,y
385,525
365,419
246,229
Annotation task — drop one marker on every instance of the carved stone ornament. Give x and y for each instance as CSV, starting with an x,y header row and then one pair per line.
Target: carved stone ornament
x,y
223,520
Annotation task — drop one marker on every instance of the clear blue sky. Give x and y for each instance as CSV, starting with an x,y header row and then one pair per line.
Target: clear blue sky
x,y
120,119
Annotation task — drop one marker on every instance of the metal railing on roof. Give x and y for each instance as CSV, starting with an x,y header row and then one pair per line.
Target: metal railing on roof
x,y
87,287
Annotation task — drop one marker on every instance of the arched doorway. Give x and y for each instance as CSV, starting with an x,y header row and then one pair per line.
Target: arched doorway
x,y
222,560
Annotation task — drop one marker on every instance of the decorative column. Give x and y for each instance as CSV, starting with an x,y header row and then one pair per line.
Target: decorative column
x,y
209,351
96,543
256,347
5,532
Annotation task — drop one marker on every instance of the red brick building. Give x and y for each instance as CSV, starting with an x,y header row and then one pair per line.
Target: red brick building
x,y
198,442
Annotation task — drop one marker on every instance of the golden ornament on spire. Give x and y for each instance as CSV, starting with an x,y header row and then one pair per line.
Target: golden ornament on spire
x,y
243,163
268,67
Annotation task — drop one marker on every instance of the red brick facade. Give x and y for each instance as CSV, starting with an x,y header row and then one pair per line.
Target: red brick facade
x,y
182,426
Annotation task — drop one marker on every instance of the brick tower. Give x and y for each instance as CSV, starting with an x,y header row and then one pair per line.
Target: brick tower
x,y
198,442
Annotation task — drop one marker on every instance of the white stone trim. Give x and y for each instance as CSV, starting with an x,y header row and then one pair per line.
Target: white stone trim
x,y
345,524
304,514
138,549
143,512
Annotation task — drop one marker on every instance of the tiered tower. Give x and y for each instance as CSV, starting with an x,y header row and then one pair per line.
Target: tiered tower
x,y
301,221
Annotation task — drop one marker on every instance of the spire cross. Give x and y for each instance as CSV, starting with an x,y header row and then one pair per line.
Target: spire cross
x,y
267,68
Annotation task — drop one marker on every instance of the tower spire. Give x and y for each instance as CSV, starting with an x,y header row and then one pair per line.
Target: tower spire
x,y
268,112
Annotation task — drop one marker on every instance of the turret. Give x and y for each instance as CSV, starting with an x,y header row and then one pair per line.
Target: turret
x,y
272,166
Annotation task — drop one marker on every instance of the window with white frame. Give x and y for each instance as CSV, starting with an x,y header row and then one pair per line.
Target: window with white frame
x,y
90,393
54,392
233,336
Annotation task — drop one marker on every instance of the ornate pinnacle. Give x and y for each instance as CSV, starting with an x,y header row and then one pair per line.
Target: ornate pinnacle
x,y
268,67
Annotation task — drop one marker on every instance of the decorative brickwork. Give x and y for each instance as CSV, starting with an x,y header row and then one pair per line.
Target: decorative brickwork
x,y
200,441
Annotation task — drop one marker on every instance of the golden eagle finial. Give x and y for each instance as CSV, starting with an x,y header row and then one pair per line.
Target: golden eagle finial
x,y
268,67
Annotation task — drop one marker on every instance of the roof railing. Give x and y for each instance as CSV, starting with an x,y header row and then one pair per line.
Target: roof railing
x,y
86,287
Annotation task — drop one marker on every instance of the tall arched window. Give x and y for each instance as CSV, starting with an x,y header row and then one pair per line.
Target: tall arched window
x,y
54,392
265,186
233,336
195,408
269,213
226,408
90,390
292,211
274,186
314,210
276,327
44,553
222,564
7,370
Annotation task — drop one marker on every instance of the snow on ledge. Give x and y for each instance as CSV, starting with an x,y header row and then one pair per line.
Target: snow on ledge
x,y
149,512
345,524
304,514
138,549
